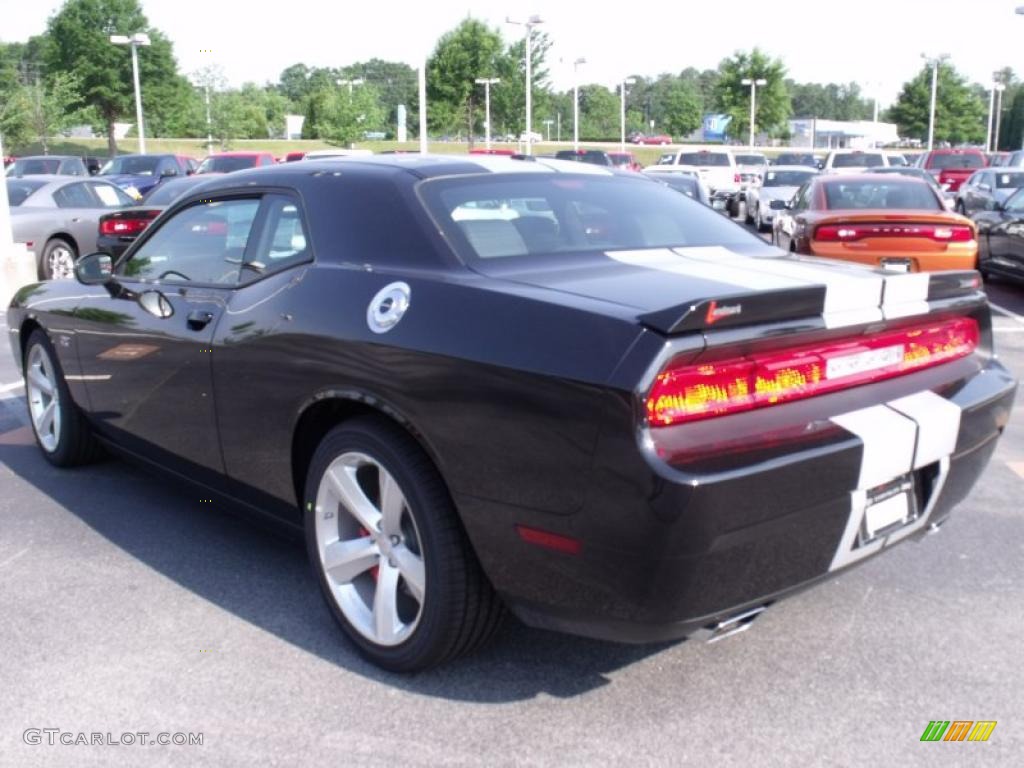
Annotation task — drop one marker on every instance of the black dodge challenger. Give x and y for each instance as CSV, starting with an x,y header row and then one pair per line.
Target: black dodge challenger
x,y
490,383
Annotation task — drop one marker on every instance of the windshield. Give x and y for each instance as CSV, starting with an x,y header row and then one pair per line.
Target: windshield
x,y
786,178
704,158
857,160
515,216
964,160
883,194
227,163
34,166
18,190
135,166
787,158
751,160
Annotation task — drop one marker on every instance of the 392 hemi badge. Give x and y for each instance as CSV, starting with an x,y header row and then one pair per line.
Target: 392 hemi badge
x,y
716,312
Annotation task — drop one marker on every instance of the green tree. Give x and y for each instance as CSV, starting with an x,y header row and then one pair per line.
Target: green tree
x,y
469,51
49,104
344,116
959,113
508,98
394,82
732,97
599,113
79,44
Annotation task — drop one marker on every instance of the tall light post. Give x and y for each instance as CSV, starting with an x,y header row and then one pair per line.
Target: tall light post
x,y
999,86
995,112
576,102
349,82
753,83
487,82
547,125
529,24
139,38
622,112
933,62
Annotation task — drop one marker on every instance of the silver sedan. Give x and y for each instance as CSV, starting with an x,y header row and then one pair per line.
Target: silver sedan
x,y
57,218
778,182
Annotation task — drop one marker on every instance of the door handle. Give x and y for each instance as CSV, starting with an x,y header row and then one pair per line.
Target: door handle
x,y
76,220
198,319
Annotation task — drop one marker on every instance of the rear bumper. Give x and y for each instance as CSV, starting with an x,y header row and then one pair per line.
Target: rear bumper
x,y
113,245
687,546
955,256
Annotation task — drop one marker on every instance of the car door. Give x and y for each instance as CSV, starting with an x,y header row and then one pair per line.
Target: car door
x,y
145,344
787,223
78,206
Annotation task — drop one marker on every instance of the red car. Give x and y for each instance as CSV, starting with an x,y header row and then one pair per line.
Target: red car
x,y
661,139
625,161
226,162
952,167
292,157
501,151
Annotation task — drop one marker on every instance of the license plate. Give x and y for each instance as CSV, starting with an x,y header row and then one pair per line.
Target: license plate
x,y
869,360
896,265
889,506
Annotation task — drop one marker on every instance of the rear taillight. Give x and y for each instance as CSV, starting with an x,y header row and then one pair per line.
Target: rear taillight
x,y
123,226
737,178
692,392
846,233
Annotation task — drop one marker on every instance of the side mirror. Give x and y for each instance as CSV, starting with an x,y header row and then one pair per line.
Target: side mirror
x,y
94,269
778,205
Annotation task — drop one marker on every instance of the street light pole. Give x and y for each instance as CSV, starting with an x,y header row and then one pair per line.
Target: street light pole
x,y
934,62
991,107
529,24
487,82
576,102
622,112
753,83
999,88
139,38
209,122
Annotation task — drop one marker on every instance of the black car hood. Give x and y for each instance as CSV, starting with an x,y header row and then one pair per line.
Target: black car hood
x,y
679,289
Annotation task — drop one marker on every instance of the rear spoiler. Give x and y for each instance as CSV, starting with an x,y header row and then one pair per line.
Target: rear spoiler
x,y
738,309
741,309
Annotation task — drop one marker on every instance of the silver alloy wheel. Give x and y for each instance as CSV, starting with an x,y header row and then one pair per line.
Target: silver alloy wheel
x,y
43,397
369,549
61,262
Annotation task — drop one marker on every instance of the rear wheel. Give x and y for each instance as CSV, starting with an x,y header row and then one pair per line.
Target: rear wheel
x,y
59,260
61,431
748,218
393,563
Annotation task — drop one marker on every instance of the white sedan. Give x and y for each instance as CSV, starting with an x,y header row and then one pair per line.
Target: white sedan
x,y
778,182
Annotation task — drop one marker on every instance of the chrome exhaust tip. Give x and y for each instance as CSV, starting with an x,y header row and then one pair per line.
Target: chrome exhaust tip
x,y
733,625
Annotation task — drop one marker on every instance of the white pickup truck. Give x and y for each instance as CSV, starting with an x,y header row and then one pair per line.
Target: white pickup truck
x,y
716,168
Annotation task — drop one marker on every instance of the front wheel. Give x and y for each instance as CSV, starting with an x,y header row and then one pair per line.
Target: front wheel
x,y
60,428
388,550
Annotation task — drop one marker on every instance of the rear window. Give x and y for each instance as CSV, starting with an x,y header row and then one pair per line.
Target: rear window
x,y
1009,180
131,165
554,214
965,160
857,160
751,160
888,195
786,178
793,159
31,166
593,157
704,158
19,190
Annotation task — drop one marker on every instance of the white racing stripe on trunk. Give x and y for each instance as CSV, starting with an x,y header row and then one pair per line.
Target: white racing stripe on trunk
x,y
905,295
938,423
666,260
888,439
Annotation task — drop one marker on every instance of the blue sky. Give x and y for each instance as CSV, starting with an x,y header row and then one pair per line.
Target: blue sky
x,y
873,42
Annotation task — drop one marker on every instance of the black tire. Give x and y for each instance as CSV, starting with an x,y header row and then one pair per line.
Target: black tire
x,y
75,443
460,610
748,219
57,246
959,208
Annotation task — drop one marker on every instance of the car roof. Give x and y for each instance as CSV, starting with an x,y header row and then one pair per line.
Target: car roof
x,y
799,168
240,153
49,157
956,151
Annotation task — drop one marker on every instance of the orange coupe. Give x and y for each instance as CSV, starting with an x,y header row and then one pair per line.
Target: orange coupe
x,y
895,222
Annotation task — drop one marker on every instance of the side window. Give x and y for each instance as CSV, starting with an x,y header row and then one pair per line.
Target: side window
x,y
282,238
266,160
109,196
74,196
802,198
204,243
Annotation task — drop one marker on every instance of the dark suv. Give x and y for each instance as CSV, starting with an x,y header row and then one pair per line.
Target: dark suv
x,y
592,156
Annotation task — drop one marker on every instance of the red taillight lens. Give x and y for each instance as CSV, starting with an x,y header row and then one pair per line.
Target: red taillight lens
x,y
736,178
848,233
694,392
124,226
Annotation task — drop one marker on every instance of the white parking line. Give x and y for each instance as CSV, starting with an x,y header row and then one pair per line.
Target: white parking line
x,y
12,386
1007,312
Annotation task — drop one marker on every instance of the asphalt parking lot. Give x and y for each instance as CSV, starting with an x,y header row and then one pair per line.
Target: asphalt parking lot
x,y
130,606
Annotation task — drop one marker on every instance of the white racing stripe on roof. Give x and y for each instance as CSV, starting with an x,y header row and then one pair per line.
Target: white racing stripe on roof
x,y
667,260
